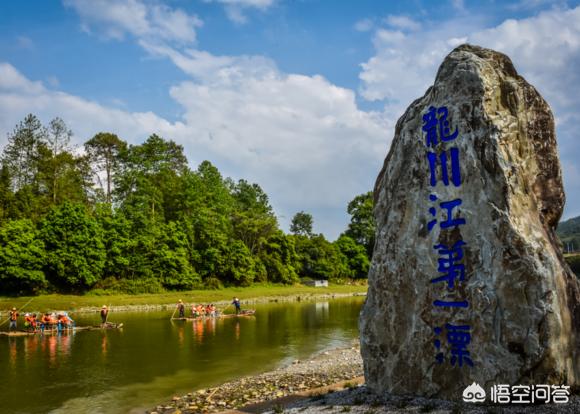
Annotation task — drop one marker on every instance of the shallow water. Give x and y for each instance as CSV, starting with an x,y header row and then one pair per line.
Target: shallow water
x,y
153,358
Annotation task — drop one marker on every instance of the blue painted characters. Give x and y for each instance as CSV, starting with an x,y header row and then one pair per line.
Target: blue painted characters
x,y
444,169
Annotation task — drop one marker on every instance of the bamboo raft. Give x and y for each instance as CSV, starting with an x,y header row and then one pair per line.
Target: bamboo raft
x,y
243,314
54,330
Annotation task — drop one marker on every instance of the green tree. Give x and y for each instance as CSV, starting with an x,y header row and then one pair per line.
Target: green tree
x,y
21,153
207,205
149,177
355,255
253,219
362,226
6,194
22,258
279,258
320,259
74,246
105,151
301,224
58,143
62,177
170,259
239,267
117,240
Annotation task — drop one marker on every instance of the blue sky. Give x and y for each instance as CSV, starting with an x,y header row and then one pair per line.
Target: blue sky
x,y
298,96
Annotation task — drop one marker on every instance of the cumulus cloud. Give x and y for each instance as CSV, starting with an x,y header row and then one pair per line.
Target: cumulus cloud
x,y
544,48
117,18
364,25
20,96
402,22
301,138
235,8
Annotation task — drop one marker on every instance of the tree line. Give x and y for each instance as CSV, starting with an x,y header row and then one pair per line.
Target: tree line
x,y
127,218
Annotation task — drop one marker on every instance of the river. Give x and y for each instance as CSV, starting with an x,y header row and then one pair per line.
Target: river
x,y
152,358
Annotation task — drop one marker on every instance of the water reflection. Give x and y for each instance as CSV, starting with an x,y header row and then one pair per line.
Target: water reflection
x,y
13,352
154,359
181,335
198,330
64,343
104,344
321,309
30,347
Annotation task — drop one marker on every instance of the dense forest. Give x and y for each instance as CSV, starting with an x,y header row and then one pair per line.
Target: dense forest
x,y
569,233
113,217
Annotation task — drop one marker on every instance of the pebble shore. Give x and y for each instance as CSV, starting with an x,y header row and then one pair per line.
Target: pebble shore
x,y
359,400
328,383
324,369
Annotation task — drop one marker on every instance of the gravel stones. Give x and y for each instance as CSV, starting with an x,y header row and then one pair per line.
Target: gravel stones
x,y
326,368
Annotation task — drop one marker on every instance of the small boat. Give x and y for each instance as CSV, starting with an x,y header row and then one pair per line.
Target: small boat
x,y
54,330
242,314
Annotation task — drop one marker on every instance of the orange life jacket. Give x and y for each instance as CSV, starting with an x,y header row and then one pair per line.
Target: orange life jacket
x,y
13,315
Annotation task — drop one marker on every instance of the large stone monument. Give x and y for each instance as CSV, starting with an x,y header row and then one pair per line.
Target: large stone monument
x,y
468,282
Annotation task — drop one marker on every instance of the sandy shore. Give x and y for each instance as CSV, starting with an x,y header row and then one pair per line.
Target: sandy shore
x,y
328,383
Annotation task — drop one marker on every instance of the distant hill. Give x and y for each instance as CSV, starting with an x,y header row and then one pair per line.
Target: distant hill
x,y
569,233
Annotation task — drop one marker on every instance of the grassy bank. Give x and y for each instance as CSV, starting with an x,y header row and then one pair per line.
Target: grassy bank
x,y
76,302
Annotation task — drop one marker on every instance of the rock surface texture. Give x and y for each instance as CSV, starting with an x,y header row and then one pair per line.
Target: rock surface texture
x,y
517,310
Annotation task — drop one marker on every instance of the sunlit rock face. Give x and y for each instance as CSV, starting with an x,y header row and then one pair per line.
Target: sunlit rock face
x,y
509,308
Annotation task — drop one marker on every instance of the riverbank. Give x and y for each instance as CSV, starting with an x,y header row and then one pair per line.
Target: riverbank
x,y
359,400
295,380
166,301
328,383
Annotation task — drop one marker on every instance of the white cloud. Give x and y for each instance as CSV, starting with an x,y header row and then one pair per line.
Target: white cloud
x,y
235,8
301,138
458,5
259,4
364,25
24,42
153,21
13,81
20,96
544,48
402,22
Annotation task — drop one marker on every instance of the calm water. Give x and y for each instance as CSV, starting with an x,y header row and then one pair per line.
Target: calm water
x,y
152,358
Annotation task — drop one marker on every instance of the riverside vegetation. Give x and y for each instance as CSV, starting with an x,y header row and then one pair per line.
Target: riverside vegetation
x,y
119,218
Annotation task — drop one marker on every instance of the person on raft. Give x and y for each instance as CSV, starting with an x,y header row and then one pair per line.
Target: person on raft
x,y
45,322
238,306
33,322
29,323
13,319
181,308
64,321
104,314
